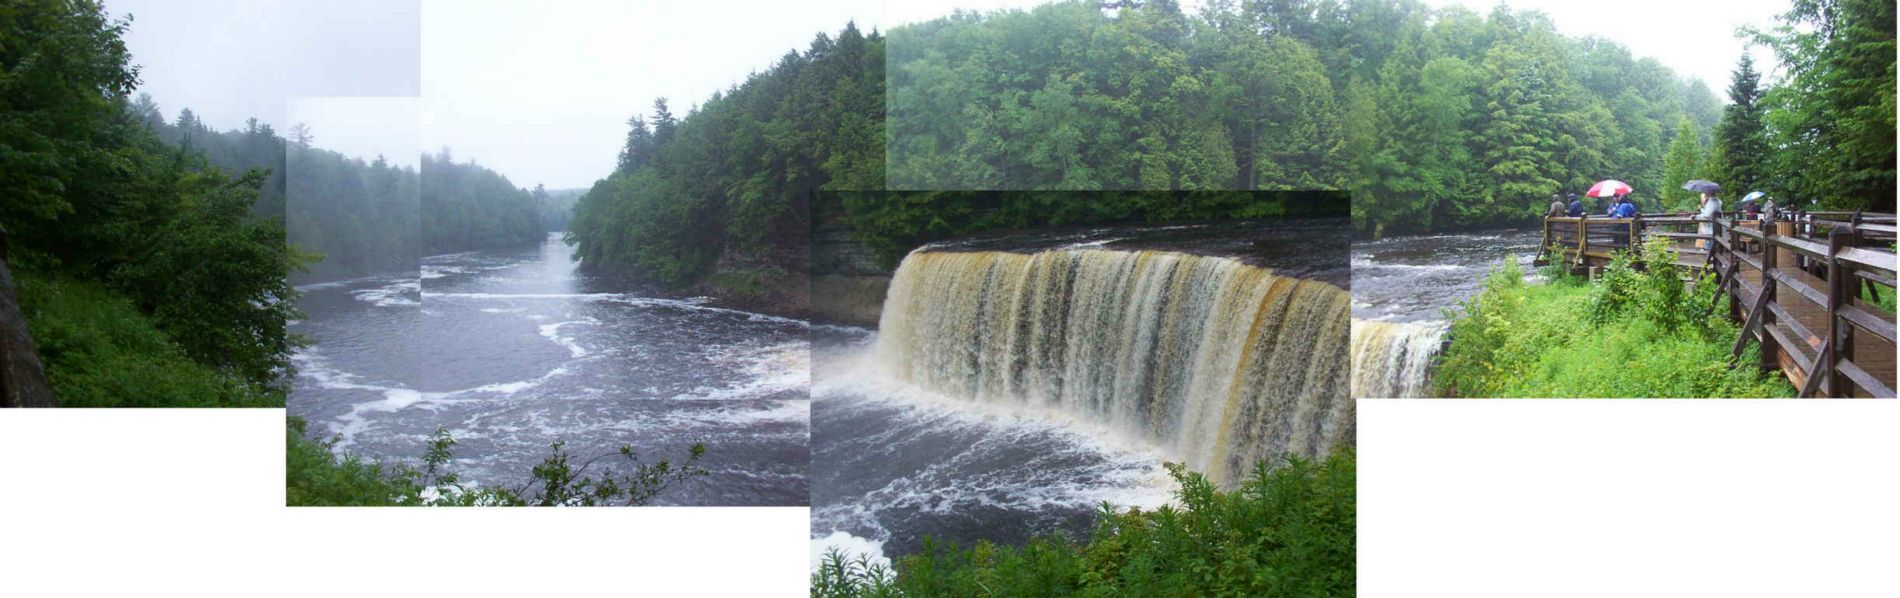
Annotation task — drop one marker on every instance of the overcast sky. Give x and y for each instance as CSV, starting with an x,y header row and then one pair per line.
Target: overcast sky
x,y
541,91
1694,39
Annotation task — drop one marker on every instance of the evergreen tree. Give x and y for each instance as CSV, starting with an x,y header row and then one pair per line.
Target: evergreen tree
x,y
1741,142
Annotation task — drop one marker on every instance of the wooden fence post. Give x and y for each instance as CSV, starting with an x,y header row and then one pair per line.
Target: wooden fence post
x,y
1837,293
1770,256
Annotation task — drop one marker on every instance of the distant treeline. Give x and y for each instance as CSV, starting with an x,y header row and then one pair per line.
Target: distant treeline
x,y
557,206
361,217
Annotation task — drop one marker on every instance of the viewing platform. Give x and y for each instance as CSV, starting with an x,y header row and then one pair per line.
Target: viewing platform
x,y
1805,286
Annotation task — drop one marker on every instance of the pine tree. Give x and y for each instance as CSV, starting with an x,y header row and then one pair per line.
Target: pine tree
x,y
1739,139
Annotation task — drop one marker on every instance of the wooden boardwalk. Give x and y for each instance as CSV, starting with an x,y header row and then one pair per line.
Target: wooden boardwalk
x,y
1812,318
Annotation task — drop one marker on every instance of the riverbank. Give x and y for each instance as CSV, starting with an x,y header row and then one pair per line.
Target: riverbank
x,y
1631,333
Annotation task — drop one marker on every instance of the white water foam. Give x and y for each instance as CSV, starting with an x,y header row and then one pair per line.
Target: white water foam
x,y
390,295
552,332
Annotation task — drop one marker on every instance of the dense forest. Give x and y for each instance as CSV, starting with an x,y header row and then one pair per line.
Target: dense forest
x,y
1433,117
361,217
741,180
147,275
737,178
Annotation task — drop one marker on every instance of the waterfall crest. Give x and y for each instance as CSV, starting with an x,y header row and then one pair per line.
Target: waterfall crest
x,y
1393,360
1221,362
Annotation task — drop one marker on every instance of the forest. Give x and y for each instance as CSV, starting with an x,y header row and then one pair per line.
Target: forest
x,y
738,176
361,217
152,256
148,276
743,177
1434,118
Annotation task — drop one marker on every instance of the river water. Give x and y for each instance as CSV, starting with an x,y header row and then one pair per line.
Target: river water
x,y
1402,288
512,350
1413,279
971,422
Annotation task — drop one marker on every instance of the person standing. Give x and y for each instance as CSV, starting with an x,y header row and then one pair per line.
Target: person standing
x,y
1711,208
1576,206
1556,206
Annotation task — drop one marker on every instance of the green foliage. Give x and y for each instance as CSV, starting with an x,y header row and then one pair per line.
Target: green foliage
x,y
109,217
1069,96
466,207
1683,163
1284,532
1741,138
1830,119
99,350
316,476
741,174
1633,333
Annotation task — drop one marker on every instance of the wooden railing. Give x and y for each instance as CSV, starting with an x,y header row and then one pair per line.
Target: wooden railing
x,y
1805,288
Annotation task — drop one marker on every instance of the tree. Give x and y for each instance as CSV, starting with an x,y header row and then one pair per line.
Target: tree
x,y
1683,163
1740,139
1517,133
1830,121
301,135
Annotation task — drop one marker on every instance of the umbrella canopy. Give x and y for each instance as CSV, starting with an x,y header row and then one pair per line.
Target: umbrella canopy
x,y
1702,186
1609,188
1754,195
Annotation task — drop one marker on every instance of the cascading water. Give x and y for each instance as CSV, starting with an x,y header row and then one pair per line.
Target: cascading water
x,y
1393,360
1219,362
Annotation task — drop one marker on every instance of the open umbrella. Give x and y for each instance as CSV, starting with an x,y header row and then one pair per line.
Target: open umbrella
x,y
1754,195
1609,188
1702,186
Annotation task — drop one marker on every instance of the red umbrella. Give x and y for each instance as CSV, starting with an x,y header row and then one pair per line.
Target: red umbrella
x,y
1609,188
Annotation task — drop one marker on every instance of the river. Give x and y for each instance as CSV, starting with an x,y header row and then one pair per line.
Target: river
x,y
1401,290
512,350
1017,381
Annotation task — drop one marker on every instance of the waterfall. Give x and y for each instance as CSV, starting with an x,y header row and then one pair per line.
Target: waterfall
x,y
1393,360
1219,362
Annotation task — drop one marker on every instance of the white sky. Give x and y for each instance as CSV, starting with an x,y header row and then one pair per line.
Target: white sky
x,y
229,60
1694,39
364,127
541,91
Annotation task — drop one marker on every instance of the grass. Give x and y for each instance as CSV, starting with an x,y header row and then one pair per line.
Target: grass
x,y
99,350
1284,532
1634,332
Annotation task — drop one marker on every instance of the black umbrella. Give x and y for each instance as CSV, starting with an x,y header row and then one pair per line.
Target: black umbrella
x,y
1702,186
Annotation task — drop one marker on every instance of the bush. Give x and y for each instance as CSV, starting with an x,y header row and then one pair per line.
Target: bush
x,y
314,475
1637,331
100,350
1285,532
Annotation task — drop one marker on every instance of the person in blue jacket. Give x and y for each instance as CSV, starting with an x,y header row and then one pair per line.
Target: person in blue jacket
x,y
1576,206
1627,209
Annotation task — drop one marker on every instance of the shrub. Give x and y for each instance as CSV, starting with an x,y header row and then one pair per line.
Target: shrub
x,y
1284,532
316,476
99,350
1636,331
